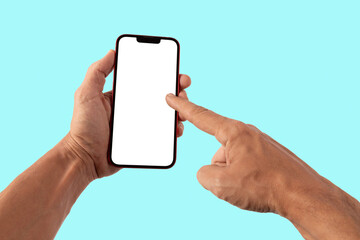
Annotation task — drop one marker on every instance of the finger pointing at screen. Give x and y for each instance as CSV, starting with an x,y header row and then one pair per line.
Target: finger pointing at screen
x,y
254,172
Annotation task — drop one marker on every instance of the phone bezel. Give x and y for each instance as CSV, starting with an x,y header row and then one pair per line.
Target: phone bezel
x,y
113,103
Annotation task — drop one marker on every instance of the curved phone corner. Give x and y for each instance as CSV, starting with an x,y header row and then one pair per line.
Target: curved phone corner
x,y
111,162
122,36
171,164
176,41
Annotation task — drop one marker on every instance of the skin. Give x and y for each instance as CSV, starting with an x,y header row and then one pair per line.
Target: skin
x,y
37,202
254,172
250,170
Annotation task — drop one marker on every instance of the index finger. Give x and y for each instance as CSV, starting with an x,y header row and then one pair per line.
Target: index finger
x,y
204,119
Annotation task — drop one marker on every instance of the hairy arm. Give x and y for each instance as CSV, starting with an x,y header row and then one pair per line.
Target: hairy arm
x,y
254,172
37,202
322,211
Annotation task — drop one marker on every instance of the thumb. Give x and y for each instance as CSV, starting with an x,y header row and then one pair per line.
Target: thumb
x,y
212,177
95,76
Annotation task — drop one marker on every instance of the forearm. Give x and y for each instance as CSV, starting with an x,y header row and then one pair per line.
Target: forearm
x,y
324,211
36,203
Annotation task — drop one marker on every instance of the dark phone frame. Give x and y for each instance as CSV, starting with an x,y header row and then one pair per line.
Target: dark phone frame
x,y
150,40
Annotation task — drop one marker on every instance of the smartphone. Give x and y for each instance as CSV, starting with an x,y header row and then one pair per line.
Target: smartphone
x,y
143,126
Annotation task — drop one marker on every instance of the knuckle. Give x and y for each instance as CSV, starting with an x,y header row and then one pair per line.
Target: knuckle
x,y
251,126
219,179
77,93
96,67
93,67
183,94
236,129
200,173
219,192
258,136
96,70
226,125
196,111
239,127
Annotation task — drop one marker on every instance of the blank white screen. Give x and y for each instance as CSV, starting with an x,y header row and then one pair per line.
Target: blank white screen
x,y
143,125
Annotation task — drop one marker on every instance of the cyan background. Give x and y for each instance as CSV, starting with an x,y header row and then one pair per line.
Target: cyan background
x,y
292,68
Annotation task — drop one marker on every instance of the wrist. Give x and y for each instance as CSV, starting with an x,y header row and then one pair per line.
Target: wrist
x,y
81,157
321,210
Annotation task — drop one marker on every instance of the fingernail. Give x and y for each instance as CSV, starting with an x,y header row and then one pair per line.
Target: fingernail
x,y
170,95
